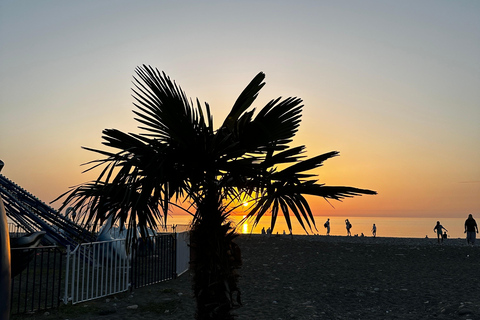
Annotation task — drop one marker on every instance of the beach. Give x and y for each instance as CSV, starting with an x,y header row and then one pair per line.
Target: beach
x,y
320,277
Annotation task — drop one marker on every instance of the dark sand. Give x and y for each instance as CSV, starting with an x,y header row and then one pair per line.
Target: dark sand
x,y
319,277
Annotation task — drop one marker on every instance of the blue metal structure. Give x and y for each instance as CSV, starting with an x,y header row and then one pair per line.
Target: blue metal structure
x,y
34,215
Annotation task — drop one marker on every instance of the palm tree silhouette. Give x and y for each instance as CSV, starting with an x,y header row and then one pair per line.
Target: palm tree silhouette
x,y
181,160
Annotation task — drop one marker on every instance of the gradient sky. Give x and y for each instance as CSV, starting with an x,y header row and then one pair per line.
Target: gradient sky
x,y
393,85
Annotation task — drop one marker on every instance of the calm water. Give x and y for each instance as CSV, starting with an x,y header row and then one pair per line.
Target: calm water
x,y
386,227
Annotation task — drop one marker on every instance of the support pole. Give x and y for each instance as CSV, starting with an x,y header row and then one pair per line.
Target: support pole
x,y
5,266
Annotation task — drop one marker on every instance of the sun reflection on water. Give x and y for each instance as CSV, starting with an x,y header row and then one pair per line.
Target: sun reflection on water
x,y
245,228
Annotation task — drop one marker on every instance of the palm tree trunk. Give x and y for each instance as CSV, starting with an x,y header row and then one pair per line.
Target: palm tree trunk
x,y
214,259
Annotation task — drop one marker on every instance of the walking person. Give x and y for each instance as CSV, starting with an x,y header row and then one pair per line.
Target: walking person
x,y
374,230
348,225
470,226
327,225
439,230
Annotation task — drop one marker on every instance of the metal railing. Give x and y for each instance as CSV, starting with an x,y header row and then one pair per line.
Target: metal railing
x,y
183,252
96,270
39,285
15,230
154,260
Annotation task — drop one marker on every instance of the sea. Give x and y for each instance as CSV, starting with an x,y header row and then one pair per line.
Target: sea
x,y
398,227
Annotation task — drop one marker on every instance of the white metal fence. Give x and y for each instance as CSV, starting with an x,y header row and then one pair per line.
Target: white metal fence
x,y
95,270
99,269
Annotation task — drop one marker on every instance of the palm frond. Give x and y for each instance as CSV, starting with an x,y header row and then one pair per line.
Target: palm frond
x,y
295,171
244,101
289,155
272,128
164,110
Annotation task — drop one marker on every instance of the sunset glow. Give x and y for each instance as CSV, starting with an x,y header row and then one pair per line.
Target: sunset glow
x,y
393,86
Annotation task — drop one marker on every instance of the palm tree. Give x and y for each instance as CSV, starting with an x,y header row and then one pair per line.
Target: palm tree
x,y
180,159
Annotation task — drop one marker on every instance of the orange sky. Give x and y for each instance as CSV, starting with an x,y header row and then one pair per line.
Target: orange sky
x,y
393,86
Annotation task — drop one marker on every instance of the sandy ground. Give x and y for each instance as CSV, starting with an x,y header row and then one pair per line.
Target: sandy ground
x,y
320,277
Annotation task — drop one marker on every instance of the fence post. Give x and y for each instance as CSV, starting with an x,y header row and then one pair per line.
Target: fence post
x,y
174,258
132,265
67,274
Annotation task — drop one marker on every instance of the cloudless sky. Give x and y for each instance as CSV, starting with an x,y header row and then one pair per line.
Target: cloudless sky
x,y
393,85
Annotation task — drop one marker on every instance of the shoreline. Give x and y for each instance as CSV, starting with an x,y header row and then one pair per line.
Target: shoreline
x,y
366,239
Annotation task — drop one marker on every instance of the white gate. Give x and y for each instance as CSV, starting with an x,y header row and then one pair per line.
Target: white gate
x,y
95,270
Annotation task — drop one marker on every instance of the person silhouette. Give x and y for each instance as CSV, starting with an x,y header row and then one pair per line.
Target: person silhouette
x,y
348,225
327,225
374,230
470,226
439,229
